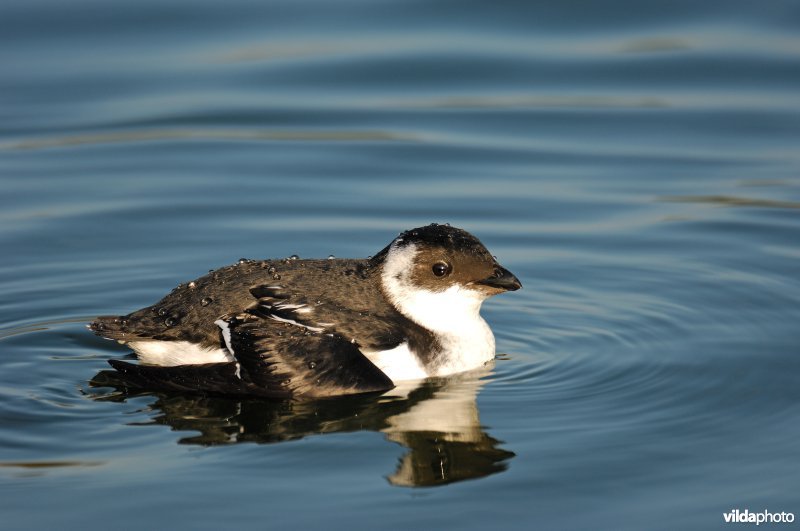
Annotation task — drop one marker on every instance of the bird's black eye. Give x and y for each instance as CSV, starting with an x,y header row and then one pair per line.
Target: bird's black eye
x,y
441,269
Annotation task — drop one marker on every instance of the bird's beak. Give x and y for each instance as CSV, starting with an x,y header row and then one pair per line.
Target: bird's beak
x,y
502,279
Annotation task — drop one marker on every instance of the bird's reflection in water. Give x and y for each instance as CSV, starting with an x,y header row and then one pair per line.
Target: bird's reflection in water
x,y
437,421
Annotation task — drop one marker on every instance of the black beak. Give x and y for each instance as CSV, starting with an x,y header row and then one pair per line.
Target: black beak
x,y
502,279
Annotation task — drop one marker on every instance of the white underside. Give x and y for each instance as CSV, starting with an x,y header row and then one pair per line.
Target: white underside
x,y
171,353
399,363
461,354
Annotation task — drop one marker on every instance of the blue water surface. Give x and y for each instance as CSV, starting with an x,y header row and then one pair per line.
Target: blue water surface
x,y
635,164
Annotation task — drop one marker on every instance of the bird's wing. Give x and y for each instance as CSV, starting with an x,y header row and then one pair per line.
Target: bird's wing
x,y
375,325
302,361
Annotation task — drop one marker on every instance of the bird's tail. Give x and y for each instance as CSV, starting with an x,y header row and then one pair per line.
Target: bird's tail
x,y
110,327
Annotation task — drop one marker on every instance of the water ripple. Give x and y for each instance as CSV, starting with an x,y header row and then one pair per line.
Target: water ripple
x,y
116,137
732,201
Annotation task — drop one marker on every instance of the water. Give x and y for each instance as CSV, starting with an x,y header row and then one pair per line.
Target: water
x,y
634,164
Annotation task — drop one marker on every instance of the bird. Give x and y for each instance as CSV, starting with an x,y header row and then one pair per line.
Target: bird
x,y
318,328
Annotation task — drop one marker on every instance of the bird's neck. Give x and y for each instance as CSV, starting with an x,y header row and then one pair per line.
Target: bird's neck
x,y
450,334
